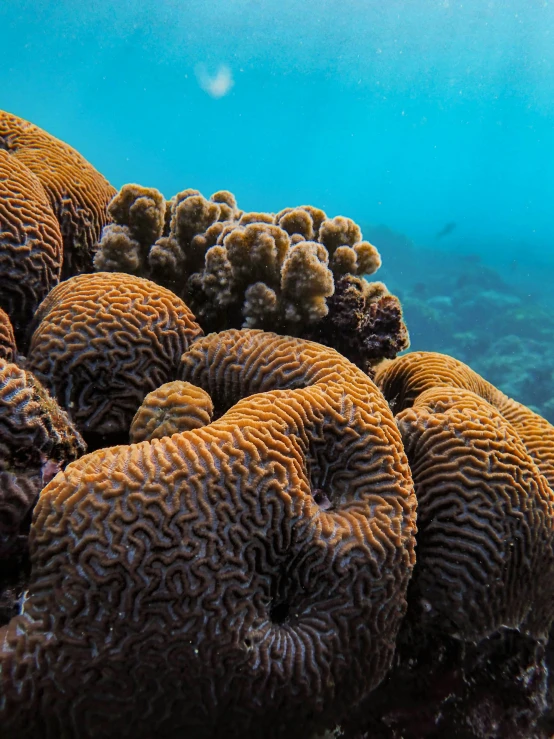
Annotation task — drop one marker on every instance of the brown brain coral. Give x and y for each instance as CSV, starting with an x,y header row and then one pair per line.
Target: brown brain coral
x,y
103,341
78,194
407,377
248,576
36,438
172,408
8,349
30,243
481,600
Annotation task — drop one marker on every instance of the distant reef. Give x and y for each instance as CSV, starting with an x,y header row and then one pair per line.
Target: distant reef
x,y
286,525
456,305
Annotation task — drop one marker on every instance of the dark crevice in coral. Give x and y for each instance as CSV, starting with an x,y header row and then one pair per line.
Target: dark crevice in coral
x,y
279,612
96,441
443,688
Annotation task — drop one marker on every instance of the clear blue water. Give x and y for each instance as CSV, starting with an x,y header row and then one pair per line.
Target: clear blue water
x,y
411,114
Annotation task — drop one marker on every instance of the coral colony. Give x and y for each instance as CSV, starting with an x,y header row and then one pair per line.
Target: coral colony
x,y
280,529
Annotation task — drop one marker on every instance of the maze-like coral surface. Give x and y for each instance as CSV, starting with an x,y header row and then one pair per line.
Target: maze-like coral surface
x,y
407,377
471,652
244,579
486,513
78,194
104,341
175,406
8,349
31,249
36,436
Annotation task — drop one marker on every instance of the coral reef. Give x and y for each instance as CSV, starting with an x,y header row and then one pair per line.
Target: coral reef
x,y
244,563
249,576
37,439
78,194
174,407
471,652
364,323
31,250
257,270
456,305
8,349
102,342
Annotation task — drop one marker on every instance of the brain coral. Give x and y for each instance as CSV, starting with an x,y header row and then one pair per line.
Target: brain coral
x,y
30,243
404,379
243,579
254,270
103,341
173,407
78,194
7,339
481,600
36,439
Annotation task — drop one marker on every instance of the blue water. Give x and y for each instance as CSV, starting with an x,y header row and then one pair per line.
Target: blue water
x,y
411,114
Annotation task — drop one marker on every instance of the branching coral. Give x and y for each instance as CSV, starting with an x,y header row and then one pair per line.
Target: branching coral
x,y
248,576
30,243
78,194
103,341
481,601
255,270
8,349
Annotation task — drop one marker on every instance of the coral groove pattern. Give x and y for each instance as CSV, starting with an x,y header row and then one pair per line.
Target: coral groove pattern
x,y
248,577
78,194
103,341
482,592
8,349
36,440
31,250
173,407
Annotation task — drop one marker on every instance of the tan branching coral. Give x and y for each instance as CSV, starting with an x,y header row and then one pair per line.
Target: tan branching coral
x,y
103,341
31,248
78,194
8,348
174,407
243,579
254,270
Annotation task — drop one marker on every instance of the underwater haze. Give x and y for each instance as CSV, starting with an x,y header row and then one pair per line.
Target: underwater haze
x,y
428,122
412,114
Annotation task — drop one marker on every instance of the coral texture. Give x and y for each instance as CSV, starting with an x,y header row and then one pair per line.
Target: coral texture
x,y
31,248
248,577
255,270
471,652
407,377
365,322
173,407
103,341
8,349
36,440
78,194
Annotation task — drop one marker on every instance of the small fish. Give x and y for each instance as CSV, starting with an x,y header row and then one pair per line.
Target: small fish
x,y
446,230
